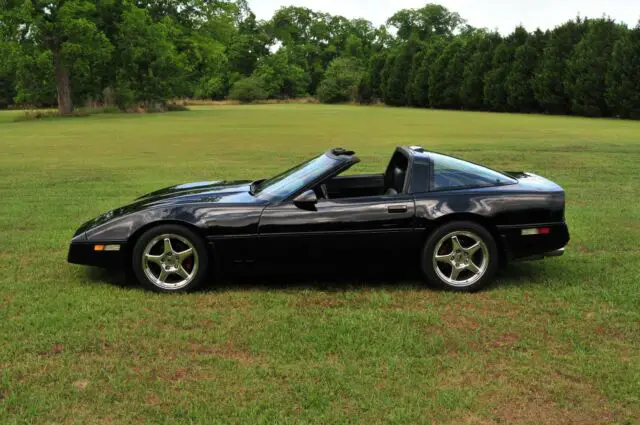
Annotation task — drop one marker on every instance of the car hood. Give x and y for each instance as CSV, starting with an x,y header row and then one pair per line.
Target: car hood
x,y
219,187
211,192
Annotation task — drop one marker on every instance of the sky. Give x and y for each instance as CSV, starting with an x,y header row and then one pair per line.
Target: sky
x,y
503,15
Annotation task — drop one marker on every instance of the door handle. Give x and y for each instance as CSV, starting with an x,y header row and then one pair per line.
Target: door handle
x,y
396,209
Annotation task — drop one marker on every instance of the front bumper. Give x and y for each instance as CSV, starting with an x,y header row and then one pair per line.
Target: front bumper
x,y
84,253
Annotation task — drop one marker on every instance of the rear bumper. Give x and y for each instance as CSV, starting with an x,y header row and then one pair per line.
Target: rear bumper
x,y
555,253
84,253
521,246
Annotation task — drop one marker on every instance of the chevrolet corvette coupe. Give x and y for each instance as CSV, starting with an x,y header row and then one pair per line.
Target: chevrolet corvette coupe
x,y
459,221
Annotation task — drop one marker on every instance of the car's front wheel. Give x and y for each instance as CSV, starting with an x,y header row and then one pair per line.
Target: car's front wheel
x,y
170,258
461,256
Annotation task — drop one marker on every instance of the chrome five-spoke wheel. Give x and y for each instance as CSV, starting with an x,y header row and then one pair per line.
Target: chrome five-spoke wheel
x,y
170,258
460,258
170,261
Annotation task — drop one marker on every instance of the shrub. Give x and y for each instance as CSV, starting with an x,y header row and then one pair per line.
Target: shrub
x,y
340,83
174,107
78,112
248,90
153,107
365,93
95,110
281,76
36,115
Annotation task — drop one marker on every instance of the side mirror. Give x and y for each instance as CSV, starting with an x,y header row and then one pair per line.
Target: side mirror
x,y
306,199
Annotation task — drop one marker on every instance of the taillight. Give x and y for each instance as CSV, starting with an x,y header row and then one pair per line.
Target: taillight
x,y
536,231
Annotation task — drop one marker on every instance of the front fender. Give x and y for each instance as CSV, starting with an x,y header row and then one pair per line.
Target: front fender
x,y
121,228
220,221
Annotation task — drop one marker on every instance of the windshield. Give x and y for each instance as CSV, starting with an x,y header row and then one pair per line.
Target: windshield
x,y
451,173
283,185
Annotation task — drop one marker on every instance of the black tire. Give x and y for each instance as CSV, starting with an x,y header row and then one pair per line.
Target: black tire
x,y
183,236
468,231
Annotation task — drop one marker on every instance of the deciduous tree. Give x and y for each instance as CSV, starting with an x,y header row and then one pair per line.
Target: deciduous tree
x,y
432,20
66,30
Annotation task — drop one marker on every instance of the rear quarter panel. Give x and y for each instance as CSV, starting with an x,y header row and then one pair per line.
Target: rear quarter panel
x,y
505,205
507,209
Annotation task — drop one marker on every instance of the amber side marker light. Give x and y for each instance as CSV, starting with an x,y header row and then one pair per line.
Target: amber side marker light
x,y
101,248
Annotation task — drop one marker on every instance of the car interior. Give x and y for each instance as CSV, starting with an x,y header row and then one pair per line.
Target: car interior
x,y
391,183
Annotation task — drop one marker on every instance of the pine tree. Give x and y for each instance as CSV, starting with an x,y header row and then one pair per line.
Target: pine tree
x,y
495,90
385,75
420,83
446,76
519,84
415,68
623,78
475,70
587,68
549,79
396,93
373,77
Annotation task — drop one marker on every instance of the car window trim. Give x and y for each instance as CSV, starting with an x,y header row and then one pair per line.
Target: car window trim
x,y
329,174
511,181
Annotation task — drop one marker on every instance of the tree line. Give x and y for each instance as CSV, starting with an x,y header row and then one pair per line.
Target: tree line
x,y
132,52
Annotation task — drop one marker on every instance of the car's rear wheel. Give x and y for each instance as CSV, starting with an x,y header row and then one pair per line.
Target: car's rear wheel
x,y
170,258
460,256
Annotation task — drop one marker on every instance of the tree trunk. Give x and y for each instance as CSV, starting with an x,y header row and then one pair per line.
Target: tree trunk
x,y
65,104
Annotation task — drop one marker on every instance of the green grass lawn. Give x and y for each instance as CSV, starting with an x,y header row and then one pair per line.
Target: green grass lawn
x,y
554,342
9,116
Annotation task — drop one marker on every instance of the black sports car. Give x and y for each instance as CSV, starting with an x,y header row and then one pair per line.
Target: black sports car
x,y
459,221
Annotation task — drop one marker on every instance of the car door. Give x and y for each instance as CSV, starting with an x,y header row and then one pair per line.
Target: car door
x,y
349,228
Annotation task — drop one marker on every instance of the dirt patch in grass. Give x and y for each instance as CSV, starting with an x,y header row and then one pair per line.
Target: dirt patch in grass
x,y
541,410
321,301
505,340
225,351
178,374
504,397
220,302
608,331
6,298
54,350
81,384
549,398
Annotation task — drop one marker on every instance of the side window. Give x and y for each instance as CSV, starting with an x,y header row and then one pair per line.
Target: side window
x,y
451,173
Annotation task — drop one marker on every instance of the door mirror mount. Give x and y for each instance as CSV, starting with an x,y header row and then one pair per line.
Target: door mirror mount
x,y
306,200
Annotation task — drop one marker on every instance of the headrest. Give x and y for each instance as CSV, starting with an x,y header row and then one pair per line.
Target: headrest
x,y
398,179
